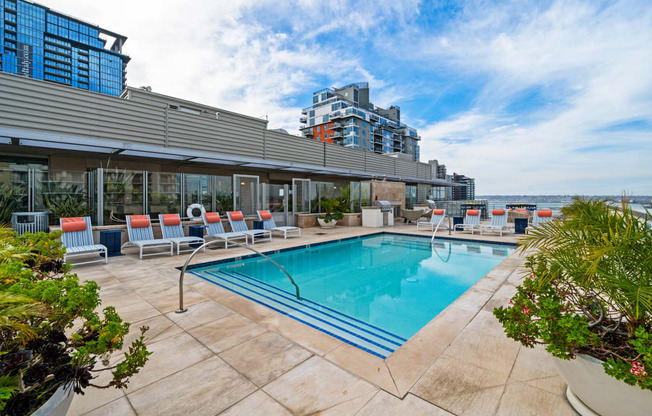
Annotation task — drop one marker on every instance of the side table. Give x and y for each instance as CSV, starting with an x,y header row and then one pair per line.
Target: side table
x,y
520,224
259,225
111,239
457,220
196,231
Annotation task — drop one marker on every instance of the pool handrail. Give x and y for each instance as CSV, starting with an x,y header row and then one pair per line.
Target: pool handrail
x,y
185,266
436,228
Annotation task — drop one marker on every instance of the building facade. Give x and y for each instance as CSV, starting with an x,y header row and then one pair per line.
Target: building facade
x,y
41,43
345,116
466,191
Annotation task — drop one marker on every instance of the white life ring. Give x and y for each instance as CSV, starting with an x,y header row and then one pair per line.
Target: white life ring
x,y
193,207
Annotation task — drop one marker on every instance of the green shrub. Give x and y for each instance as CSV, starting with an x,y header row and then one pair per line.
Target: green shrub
x,y
51,333
588,289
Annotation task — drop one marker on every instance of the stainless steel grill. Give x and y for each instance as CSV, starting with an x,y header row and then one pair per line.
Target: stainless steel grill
x,y
385,206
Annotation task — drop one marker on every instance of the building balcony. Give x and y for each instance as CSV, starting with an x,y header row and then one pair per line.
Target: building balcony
x,y
337,126
377,132
304,111
306,131
337,134
374,117
303,120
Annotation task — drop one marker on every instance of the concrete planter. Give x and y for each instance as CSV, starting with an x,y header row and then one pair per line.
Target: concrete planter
x,y
58,404
592,392
327,225
353,219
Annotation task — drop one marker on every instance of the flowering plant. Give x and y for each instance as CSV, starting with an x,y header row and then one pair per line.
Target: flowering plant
x,y
51,334
588,289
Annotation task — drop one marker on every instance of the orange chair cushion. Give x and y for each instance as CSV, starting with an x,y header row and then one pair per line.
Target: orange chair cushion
x,y
473,212
171,219
265,215
236,216
69,225
212,217
498,212
437,212
544,213
139,221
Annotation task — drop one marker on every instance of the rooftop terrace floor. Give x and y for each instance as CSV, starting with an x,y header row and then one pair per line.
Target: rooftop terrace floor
x,y
231,356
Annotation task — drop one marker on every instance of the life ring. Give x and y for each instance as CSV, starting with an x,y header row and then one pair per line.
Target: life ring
x,y
193,207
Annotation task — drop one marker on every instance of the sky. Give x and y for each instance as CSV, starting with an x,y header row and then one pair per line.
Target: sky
x,y
527,97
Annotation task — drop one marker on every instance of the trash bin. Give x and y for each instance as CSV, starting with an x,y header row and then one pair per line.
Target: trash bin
x,y
259,225
196,231
520,224
111,239
457,220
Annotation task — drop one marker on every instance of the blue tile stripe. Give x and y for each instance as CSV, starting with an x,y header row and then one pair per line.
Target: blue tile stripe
x,y
399,338
334,335
291,298
279,302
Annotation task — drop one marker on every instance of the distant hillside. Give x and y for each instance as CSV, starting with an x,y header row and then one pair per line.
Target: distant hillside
x,y
636,199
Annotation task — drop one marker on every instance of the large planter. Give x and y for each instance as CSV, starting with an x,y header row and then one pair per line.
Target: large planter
x,y
58,404
592,392
327,224
351,219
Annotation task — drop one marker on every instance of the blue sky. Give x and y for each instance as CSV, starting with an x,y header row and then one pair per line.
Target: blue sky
x,y
528,97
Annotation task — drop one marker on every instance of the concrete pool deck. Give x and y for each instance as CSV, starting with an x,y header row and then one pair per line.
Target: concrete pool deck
x,y
229,355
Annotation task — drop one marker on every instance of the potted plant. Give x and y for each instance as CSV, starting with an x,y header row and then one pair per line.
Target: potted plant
x,y
331,213
587,297
53,340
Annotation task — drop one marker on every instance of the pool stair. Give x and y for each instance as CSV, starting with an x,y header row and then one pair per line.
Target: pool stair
x,y
351,330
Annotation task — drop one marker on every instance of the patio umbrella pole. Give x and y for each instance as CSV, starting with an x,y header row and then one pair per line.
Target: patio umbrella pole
x,y
185,266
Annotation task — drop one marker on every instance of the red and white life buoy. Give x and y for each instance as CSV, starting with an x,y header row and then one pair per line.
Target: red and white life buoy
x,y
192,210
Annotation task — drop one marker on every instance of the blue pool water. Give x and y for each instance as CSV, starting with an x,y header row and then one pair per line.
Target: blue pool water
x,y
373,292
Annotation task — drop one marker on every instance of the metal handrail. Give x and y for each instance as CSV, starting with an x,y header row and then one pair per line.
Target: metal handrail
x,y
437,227
185,266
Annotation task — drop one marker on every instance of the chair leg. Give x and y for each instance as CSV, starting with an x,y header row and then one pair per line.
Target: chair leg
x,y
106,256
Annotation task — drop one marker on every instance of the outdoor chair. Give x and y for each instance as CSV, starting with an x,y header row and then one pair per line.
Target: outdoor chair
x,y
498,222
238,225
269,224
541,216
77,238
471,221
172,230
139,228
215,229
436,219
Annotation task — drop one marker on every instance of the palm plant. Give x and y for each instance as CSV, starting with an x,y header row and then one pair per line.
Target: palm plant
x,y
10,201
588,288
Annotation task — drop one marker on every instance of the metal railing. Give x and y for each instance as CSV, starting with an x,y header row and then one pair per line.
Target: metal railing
x,y
437,227
185,266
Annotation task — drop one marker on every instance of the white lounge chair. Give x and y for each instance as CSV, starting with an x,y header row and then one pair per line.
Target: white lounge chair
x,y
139,228
77,238
471,221
541,216
437,217
269,224
215,229
238,225
172,230
498,222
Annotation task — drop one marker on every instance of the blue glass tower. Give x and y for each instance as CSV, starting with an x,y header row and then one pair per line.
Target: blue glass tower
x,y
40,43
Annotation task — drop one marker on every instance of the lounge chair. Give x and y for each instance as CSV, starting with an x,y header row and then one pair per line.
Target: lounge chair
x,y
77,238
269,224
541,216
238,225
215,229
139,228
498,222
471,221
172,230
436,218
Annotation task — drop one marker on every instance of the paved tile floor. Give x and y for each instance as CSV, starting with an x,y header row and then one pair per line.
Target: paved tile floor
x,y
231,356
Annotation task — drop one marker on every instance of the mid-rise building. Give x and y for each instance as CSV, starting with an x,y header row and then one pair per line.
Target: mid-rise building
x,y
465,192
41,43
345,116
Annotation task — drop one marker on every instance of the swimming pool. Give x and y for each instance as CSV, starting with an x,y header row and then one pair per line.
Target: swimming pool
x,y
373,292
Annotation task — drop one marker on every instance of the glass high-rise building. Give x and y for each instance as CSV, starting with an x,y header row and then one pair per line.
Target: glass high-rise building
x,y
41,43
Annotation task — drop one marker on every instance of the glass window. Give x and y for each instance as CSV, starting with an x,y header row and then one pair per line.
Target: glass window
x,y
223,194
123,195
164,193
323,96
315,99
311,113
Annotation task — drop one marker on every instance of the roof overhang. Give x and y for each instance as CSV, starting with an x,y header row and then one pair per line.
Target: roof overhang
x,y
87,144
